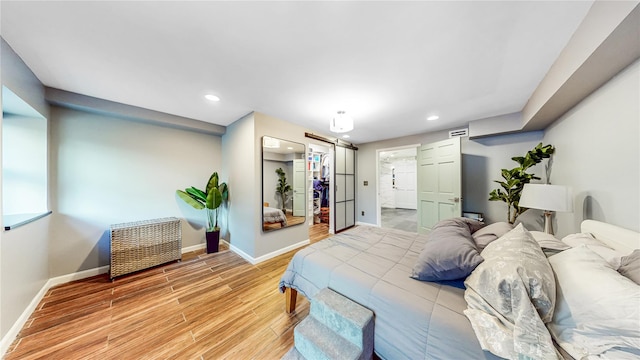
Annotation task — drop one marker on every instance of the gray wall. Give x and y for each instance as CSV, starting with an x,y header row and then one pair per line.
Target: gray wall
x,y
242,169
273,241
599,154
24,266
106,170
482,160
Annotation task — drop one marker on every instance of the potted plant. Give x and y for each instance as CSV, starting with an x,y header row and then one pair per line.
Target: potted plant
x,y
210,200
516,178
282,188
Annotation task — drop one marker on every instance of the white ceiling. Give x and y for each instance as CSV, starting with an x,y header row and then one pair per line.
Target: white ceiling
x,y
389,65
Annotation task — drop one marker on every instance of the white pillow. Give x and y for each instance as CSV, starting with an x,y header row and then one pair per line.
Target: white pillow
x,y
597,308
548,241
597,246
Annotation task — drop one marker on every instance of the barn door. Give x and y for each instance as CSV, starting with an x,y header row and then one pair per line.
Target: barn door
x,y
439,183
344,189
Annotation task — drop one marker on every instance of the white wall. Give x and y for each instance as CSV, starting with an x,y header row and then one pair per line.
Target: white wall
x,y
599,154
107,170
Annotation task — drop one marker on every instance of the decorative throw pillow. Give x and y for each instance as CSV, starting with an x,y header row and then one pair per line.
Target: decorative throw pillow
x,y
490,233
595,245
449,252
510,296
630,266
532,220
597,308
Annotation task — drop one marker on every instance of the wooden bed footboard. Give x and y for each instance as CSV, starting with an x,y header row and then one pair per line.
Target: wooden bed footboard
x,y
291,295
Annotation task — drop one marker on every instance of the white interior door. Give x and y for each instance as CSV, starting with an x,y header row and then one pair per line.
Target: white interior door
x,y
439,183
298,187
405,190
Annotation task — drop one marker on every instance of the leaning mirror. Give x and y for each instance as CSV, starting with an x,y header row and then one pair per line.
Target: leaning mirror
x,y
283,183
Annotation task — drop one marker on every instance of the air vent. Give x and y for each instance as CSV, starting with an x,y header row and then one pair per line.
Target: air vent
x,y
459,133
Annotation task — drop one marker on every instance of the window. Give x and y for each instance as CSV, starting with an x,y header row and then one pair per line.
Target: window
x,y
24,161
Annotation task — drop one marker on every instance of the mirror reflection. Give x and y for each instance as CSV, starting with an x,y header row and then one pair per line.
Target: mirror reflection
x,y
283,183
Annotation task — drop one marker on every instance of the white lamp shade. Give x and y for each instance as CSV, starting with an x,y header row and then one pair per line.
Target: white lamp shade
x,y
547,197
341,123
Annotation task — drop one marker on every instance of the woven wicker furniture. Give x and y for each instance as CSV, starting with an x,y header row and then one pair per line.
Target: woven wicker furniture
x,y
143,244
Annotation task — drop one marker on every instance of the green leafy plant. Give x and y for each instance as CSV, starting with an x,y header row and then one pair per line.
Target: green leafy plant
x,y
282,188
214,195
513,180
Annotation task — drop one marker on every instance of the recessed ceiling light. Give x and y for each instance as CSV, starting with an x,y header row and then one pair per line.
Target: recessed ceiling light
x,y
345,136
433,117
289,148
212,97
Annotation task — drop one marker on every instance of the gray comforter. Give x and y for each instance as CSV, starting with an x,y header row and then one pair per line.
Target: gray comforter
x,y
371,266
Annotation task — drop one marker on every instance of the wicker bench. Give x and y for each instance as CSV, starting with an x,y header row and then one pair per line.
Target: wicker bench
x,y
144,244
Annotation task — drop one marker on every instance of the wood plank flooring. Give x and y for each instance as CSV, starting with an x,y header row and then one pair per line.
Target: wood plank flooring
x,y
209,306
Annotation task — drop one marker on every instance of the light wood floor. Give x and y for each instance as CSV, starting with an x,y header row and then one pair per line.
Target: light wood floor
x,y
209,306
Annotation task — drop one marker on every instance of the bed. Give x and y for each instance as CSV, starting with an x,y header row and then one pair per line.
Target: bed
x,y
272,216
420,319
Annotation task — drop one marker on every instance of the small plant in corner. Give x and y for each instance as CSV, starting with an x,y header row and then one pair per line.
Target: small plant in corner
x,y
282,188
214,195
514,180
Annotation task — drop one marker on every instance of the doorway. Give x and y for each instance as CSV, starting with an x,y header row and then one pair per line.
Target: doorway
x,y
397,188
320,167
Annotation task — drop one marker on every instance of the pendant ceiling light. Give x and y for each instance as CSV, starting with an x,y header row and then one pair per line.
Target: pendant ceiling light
x,y
341,123
270,142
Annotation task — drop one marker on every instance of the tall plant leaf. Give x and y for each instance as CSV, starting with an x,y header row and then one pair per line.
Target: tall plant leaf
x,y
212,183
189,200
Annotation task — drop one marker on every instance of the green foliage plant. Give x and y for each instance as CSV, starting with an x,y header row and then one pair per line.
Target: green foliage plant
x,y
282,188
214,195
513,180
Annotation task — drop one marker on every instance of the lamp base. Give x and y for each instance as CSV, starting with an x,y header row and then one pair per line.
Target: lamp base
x,y
548,226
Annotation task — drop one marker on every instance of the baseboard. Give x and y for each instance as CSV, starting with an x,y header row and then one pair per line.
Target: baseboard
x,y
268,256
366,224
63,279
193,248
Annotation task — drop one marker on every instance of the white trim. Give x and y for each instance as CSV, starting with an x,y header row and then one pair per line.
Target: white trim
x,y
378,151
366,224
8,338
268,256
193,248
17,326
63,279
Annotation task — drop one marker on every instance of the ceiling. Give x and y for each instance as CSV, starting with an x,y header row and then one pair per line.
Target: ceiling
x,y
389,65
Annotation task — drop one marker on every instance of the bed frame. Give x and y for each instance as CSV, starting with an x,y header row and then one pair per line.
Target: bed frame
x,y
620,239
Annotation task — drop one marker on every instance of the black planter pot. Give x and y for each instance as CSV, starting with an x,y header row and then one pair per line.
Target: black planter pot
x,y
213,241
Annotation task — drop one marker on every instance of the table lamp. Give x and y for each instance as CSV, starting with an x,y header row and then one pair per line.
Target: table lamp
x,y
549,198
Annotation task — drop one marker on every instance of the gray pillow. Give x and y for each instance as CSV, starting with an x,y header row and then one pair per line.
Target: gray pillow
x,y
449,252
473,225
490,233
532,220
630,266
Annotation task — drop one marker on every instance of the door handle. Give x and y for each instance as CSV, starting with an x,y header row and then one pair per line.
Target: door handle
x,y
455,199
